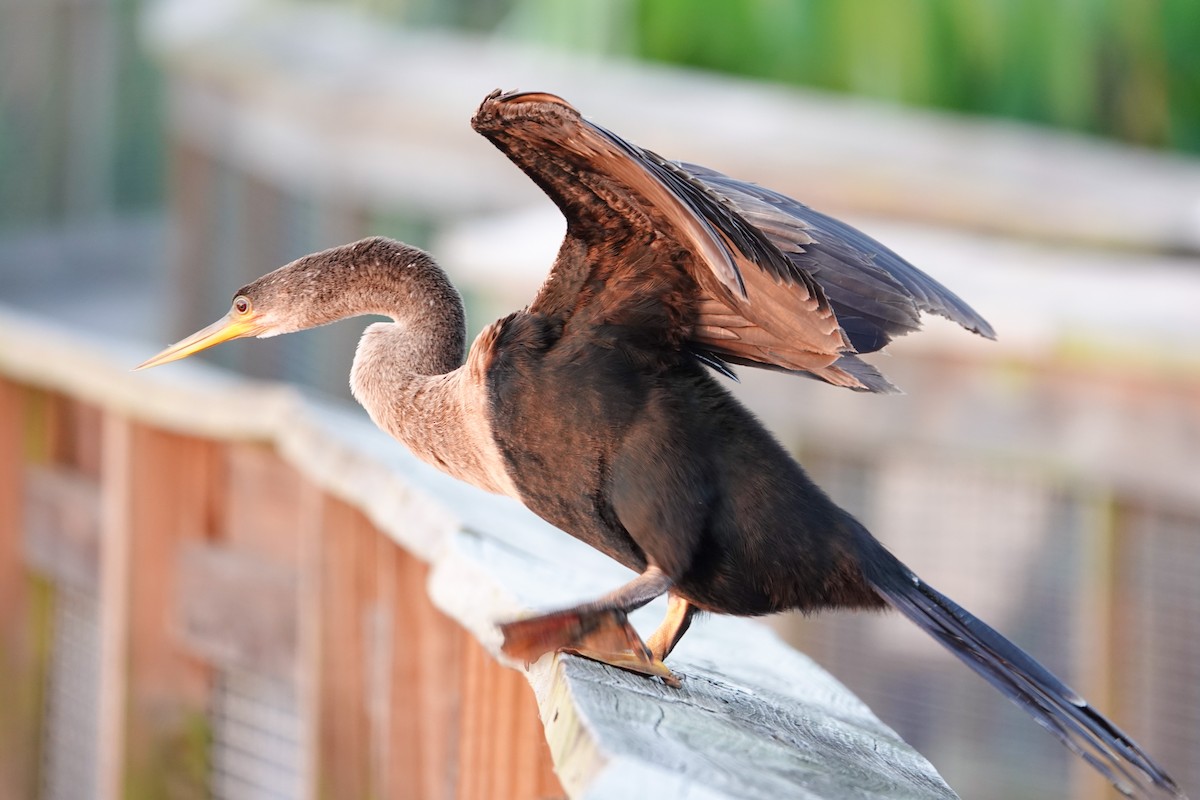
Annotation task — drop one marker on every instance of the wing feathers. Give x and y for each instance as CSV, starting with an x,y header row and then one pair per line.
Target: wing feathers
x,y
613,192
776,284
861,276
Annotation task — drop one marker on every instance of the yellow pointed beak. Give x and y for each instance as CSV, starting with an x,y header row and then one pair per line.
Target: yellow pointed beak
x,y
222,330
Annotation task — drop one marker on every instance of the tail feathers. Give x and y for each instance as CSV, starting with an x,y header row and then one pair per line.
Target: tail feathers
x,y
1025,682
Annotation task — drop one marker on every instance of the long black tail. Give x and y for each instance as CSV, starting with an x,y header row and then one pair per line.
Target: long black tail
x,y
1021,679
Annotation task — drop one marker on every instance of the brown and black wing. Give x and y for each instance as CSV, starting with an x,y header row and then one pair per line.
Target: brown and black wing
x,y
876,294
748,303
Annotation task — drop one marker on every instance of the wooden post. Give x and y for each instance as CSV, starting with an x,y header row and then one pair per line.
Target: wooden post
x,y
12,573
422,754
348,581
1097,620
501,739
158,494
116,525
19,721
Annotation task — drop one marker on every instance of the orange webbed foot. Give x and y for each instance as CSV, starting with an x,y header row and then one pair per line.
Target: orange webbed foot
x,y
603,635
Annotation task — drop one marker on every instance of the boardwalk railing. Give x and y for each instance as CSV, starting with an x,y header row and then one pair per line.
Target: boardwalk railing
x,y
212,586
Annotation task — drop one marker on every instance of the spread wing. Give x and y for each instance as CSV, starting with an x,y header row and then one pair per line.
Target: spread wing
x,y
711,264
876,294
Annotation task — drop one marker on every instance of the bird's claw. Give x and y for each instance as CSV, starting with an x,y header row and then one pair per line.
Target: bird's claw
x,y
603,635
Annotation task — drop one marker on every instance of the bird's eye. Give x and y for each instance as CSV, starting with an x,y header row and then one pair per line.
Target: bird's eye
x,y
241,305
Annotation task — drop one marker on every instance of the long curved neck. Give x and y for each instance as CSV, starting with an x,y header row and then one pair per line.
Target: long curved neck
x,y
427,334
408,374
378,276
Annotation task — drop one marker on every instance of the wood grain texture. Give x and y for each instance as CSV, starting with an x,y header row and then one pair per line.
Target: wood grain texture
x,y
116,519
425,669
731,738
503,750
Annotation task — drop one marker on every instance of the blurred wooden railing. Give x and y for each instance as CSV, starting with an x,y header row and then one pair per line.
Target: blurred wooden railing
x,y
214,588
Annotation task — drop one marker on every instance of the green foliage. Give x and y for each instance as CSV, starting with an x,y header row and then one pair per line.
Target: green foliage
x,y
1129,69
137,158
177,765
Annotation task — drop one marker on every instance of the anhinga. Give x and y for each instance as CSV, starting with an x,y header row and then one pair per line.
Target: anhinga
x,y
596,408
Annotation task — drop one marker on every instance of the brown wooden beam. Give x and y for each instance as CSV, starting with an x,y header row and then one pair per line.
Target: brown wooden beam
x,y
20,670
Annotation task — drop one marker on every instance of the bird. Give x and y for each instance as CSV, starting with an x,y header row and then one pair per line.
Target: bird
x,y
597,406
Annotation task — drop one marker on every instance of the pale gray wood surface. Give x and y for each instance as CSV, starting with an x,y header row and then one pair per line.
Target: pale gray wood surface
x,y
753,718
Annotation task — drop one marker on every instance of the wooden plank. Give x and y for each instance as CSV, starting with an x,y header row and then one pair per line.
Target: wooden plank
x,y
396,677
116,526
62,526
348,584
69,433
756,729
159,494
12,419
426,673
237,610
262,503
19,706
309,689
1096,620
503,747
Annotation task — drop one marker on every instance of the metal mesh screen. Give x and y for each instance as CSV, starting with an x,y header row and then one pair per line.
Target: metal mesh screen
x,y
1158,646
257,749
1001,542
72,696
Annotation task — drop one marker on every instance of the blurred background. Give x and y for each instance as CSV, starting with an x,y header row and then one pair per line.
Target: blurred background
x,y
1041,159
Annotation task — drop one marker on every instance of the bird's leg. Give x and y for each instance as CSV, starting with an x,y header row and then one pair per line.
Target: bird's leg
x,y
673,627
598,630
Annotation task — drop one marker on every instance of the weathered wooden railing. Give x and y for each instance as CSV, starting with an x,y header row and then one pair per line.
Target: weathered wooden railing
x,y
213,586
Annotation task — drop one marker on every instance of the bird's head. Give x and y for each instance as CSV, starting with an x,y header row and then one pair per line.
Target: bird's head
x,y
372,276
279,302
249,315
